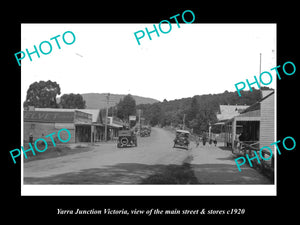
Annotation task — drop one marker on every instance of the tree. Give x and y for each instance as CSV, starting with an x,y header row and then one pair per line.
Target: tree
x,y
72,101
155,114
42,94
200,110
193,110
126,107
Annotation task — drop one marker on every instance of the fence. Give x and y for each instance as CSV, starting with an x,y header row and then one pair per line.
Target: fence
x,y
247,148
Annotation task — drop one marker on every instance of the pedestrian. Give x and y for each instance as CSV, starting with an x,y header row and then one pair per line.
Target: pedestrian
x,y
197,141
204,138
241,138
215,142
30,138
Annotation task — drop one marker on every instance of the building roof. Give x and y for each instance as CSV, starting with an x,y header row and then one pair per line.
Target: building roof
x,y
256,105
230,111
253,112
114,121
183,131
55,109
94,112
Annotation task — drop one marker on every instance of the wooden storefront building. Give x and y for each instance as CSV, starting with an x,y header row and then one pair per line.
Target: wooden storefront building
x,y
41,122
85,125
257,122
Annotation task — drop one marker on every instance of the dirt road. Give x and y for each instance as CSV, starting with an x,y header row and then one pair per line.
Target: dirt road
x,y
153,161
107,164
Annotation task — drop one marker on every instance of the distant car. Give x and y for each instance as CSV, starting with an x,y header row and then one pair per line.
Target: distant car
x,y
145,132
127,138
182,139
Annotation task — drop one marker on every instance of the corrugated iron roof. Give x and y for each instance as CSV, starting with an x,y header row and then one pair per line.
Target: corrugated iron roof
x,y
95,114
256,105
229,111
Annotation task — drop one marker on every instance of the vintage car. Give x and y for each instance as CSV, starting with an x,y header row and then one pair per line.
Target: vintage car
x,y
145,132
127,138
182,139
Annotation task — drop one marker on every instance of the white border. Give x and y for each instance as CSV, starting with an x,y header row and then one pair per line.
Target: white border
x,y
154,190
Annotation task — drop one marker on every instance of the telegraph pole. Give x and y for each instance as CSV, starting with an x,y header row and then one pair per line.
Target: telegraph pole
x,y
106,117
259,63
209,129
259,74
140,119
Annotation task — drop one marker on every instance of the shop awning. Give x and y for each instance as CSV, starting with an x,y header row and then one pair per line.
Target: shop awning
x,y
115,125
219,123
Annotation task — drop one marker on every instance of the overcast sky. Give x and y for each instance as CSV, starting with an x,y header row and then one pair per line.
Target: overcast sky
x,y
191,60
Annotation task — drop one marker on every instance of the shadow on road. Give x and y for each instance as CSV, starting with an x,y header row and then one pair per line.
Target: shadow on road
x,y
135,173
173,174
123,173
227,158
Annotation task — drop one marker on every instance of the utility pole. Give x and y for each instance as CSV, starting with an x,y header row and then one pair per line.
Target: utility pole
x,y
209,130
259,74
106,117
183,121
259,63
140,119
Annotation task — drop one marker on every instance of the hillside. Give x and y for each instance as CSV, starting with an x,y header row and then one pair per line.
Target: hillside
x,y
98,101
199,110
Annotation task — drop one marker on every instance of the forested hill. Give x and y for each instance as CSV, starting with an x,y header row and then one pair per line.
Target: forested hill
x,y
199,110
99,101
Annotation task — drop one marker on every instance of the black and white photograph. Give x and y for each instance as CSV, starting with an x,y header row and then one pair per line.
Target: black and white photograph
x,y
149,111
131,109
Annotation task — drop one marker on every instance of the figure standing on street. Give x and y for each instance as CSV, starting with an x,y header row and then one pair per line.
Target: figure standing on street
x,y
215,142
31,138
197,141
204,138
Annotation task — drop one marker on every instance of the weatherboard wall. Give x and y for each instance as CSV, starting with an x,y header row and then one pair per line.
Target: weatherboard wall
x,y
42,123
40,130
267,121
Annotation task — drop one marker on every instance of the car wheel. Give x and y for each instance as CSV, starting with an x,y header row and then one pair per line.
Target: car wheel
x,y
124,141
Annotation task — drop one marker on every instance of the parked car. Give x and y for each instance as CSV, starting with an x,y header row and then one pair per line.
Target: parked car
x,y
182,139
145,132
127,138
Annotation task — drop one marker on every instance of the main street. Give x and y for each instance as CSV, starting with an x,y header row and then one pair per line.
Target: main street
x,y
153,161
